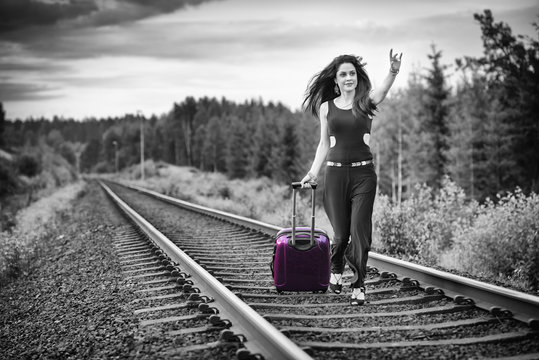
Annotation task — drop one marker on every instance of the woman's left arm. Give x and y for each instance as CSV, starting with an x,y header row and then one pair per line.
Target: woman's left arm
x,y
379,94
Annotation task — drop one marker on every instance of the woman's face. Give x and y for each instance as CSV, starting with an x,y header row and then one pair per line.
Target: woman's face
x,y
346,77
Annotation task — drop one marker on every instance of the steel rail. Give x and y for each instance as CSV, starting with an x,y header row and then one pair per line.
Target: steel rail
x,y
236,219
523,307
262,337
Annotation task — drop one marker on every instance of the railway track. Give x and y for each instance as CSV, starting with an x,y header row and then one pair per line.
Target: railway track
x,y
204,282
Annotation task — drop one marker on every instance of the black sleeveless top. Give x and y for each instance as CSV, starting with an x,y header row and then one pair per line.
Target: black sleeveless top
x,y
349,135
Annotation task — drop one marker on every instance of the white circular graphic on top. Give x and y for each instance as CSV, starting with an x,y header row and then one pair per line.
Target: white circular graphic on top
x,y
367,138
332,141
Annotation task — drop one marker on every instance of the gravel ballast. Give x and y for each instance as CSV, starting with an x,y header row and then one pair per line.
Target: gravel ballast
x,y
74,303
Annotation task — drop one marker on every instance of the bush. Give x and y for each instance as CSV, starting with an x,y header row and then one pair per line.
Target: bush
x,y
28,165
425,224
503,241
8,179
67,153
134,171
390,225
495,240
103,167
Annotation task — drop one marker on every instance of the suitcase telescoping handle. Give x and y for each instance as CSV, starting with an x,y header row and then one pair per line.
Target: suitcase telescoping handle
x,y
295,186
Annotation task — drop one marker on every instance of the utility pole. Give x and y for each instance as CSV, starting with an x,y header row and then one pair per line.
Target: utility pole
x,y
139,115
470,136
378,145
115,143
399,164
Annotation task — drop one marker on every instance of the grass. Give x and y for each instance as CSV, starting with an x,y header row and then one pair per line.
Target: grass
x,y
33,226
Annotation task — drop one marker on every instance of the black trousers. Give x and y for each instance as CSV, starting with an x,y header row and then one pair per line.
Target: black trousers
x,y
348,200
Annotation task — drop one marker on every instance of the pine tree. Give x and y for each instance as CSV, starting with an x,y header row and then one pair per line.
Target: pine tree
x,y
384,144
467,116
419,144
215,145
436,111
512,70
237,159
262,145
184,113
289,170
90,156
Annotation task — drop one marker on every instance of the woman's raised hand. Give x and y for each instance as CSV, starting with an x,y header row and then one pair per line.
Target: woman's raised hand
x,y
394,62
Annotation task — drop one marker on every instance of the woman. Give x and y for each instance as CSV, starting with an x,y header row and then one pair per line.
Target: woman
x,y
340,96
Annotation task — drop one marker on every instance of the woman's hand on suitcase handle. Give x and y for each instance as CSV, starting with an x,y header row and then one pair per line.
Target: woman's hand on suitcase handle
x,y
305,185
305,180
308,181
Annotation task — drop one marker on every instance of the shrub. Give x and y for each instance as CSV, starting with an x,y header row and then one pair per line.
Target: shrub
x,y
389,222
67,152
425,224
28,165
103,167
8,179
224,192
503,241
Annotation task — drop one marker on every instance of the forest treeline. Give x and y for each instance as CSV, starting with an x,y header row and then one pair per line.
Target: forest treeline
x,y
482,132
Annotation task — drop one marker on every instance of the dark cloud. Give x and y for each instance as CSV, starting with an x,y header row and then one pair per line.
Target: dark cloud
x,y
165,6
14,88
125,11
36,36
16,14
21,14
193,40
10,66
11,91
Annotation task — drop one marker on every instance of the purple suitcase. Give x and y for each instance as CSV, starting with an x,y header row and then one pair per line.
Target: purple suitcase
x,y
301,255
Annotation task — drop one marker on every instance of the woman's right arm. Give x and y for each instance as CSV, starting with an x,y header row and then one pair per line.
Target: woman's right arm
x,y
323,146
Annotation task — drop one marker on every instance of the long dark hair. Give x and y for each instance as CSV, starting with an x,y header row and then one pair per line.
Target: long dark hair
x,y
321,88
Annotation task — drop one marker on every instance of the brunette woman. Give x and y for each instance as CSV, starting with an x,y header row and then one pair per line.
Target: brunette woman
x,y
341,97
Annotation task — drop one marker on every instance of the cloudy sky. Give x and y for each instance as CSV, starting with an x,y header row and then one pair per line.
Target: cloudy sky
x,y
83,58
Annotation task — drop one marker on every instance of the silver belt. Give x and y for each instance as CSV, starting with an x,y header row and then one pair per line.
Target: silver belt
x,y
354,164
